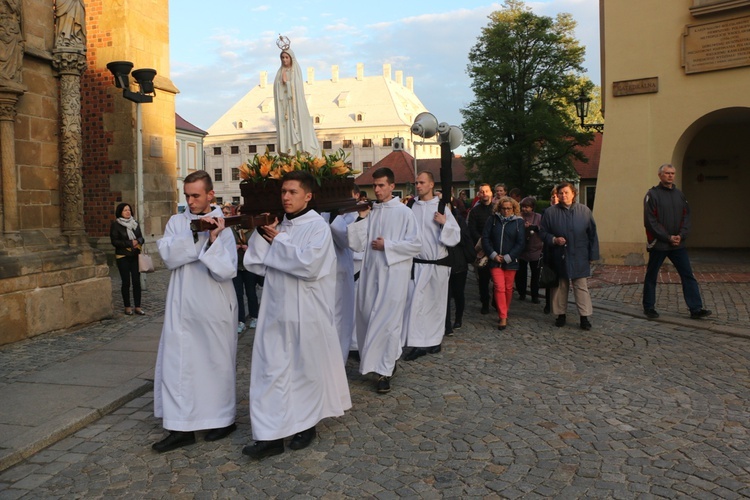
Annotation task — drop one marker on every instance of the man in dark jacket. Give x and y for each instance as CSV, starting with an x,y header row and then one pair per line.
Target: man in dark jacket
x,y
477,218
666,216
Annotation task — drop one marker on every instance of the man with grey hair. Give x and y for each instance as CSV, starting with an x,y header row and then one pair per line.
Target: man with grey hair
x,y
666,216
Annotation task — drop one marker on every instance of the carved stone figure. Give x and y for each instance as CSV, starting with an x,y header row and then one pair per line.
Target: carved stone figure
x,y
70,24
11,41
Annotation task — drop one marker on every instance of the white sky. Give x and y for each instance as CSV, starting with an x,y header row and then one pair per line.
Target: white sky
x,y
218,49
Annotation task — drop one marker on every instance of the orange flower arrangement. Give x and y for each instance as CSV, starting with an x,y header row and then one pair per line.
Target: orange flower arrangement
x,y
267,166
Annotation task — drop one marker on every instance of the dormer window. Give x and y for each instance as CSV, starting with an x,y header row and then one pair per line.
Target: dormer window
x,y
265,106
343,99
359,117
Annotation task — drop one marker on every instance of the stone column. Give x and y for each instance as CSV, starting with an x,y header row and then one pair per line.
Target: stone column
x,y
71,64
9,214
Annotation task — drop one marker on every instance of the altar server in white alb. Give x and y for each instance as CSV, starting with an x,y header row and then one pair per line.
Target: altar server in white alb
x,y
194,385
389,236
424,319
297,374
344,311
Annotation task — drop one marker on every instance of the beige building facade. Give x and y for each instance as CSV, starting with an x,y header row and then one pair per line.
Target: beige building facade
x,y
675,90
361,115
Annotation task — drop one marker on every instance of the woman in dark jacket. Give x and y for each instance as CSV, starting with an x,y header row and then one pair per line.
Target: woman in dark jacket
x,y
532,252
126,237
568,228
503,240
459,255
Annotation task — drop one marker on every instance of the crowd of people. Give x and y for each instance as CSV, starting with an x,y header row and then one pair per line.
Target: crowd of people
x,y
375,285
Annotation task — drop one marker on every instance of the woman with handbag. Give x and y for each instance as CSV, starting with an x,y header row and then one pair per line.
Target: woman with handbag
x,y
126,237
503,241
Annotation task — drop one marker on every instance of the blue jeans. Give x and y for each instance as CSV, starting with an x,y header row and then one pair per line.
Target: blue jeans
x,y
679,258
244,284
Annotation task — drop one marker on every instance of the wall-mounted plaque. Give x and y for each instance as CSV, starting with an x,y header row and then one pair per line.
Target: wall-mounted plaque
x,y
718,45
635,87
156,150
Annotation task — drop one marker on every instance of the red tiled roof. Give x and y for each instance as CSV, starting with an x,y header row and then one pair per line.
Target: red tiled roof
x,y
593,152
182,124
402,164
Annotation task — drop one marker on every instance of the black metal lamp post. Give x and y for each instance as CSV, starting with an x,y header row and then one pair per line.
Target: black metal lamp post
x,y
145,77
582,110
121,71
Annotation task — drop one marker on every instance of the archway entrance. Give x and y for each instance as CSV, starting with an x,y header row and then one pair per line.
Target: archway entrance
x,y
715,176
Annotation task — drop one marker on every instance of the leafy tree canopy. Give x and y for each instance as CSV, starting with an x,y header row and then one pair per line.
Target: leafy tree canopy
x,y
526,70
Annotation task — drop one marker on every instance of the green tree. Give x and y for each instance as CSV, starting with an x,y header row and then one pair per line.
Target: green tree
x,y
525,72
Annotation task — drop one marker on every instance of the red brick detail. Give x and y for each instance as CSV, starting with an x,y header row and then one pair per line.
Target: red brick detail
x,y
96,101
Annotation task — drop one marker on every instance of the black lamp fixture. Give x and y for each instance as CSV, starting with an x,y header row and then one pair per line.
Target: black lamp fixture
x,y
582,110
145,77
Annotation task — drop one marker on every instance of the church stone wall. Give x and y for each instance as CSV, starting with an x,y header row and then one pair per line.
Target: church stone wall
x,y
68,142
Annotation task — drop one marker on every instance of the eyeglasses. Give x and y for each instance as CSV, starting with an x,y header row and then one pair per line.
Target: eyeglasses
x,y
506,208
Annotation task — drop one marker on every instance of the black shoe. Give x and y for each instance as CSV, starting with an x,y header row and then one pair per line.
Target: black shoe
x,y
303,439
457,325
384,384
176,439
263,449
560,321
546,309
416,352
485,309
216,434
585,324
535,300
651,313
434,349
703,313
449,332
522,297
354,355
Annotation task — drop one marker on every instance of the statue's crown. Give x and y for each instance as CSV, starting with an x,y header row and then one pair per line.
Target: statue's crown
x,y
282,43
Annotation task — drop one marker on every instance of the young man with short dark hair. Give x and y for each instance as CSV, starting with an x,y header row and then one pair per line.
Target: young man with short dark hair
x,y
389,236
194,386
297,372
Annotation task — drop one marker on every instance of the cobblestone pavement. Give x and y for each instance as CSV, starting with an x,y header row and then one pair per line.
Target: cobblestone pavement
x,y
631,408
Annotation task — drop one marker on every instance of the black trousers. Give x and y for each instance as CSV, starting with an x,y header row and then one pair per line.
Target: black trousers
x,y
522,276
456,286
128,267
483,278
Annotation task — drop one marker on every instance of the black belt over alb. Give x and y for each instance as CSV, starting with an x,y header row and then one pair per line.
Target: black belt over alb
x,y
445,261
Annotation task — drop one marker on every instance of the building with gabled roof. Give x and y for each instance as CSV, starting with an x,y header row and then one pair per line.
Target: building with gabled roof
x,y
189,140
360,115
402,164
588,171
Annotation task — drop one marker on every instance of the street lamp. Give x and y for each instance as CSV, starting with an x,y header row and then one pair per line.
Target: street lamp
x,y
582,110
121,71
448,137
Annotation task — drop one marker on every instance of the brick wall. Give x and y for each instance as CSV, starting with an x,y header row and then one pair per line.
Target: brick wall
x,y
97,102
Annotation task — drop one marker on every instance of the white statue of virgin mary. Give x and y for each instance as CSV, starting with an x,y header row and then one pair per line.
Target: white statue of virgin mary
x,y
294,125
